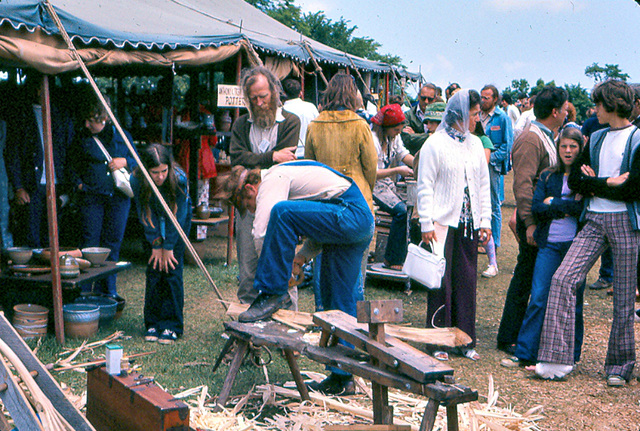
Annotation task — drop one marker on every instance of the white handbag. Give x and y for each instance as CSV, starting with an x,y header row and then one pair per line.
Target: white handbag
x,y
424,266
121,177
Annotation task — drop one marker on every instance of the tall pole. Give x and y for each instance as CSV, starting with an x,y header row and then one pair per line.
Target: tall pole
x,y
52,212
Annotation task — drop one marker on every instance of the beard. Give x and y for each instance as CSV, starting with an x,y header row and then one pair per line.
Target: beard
x,y
264,116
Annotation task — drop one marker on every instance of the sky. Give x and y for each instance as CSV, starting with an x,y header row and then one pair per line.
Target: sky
x,y
478,42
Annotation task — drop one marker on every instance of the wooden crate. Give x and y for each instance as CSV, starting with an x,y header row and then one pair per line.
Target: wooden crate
x,y
122,403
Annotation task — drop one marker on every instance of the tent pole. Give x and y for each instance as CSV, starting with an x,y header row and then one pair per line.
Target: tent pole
x,y
305,45
52,212
134,154
365,86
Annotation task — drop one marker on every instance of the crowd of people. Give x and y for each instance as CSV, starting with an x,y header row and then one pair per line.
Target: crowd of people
x,y
574,190
321,173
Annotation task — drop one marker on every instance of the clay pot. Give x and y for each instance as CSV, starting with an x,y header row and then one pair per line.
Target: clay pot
x,y
107,306
19,255
69,267
30,320
81,320
203,212
45,254
96,255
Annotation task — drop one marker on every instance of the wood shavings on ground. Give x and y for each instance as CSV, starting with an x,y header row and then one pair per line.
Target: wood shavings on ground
x,y
315,415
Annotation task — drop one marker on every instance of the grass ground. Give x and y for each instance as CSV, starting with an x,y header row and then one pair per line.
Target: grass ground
x,y
583,402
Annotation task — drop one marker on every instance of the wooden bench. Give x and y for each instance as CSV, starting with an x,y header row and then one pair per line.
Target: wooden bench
x,y
384,360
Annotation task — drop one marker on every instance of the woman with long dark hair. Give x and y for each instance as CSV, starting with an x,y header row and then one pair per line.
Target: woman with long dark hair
x,y
164,294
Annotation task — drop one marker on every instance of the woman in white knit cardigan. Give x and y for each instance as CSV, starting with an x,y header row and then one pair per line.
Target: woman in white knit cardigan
x,y
454,209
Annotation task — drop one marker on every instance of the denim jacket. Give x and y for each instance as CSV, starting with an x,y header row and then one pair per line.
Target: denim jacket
x,y
500,131
550,185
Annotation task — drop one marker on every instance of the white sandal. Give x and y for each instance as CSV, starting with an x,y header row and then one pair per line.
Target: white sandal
x,y
471,354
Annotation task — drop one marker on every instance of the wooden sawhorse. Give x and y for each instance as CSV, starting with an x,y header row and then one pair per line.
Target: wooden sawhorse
x,y
384,360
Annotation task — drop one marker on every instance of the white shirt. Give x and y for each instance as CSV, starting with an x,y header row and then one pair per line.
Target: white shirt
x,y
286,182
611,154
525,119
306,112
514,115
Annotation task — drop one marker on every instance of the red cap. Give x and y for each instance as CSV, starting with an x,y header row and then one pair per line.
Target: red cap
x,y
389,116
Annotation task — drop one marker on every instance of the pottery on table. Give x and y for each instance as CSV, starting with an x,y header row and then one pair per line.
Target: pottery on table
x,y
215,211
96,255
45,254
19,255
203,212
69,267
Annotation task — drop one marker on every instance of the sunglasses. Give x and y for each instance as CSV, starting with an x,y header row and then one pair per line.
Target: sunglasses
x,y
427,98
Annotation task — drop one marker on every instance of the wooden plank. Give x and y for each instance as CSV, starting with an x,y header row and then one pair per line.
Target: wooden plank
x,y
296,317
379,311
16,402
430,414
394,353
46,382
431,337
267,333
357,363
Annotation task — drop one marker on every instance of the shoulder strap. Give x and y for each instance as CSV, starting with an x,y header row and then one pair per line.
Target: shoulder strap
x,y
102,148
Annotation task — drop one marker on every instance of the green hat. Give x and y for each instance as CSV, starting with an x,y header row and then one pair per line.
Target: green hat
x,y
434,111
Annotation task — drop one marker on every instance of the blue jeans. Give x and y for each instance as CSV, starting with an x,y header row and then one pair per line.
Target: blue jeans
x,y
104,221
547,262
497,190
315,282
343,227
606,265
164,295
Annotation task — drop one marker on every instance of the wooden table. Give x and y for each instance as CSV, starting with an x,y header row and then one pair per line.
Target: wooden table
x,y
42,282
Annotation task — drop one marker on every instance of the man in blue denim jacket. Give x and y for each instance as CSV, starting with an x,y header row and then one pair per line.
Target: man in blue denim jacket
x,y
497,126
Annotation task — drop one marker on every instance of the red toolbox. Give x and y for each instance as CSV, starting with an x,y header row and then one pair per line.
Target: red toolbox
x,y
132,402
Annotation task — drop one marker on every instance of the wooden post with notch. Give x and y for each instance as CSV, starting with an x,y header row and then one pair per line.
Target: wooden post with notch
x,y
376,314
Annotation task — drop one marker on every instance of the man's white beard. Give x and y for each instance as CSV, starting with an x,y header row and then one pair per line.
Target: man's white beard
x,y
264,117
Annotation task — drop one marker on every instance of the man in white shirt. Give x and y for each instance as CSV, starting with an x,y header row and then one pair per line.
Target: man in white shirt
x,y
305,111
512,112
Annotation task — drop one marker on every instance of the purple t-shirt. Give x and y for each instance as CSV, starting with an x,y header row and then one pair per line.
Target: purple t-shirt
x,y
563,229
